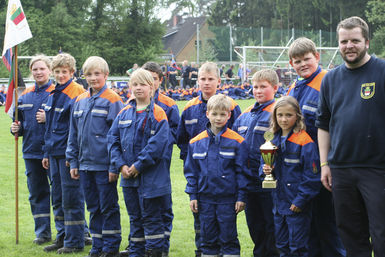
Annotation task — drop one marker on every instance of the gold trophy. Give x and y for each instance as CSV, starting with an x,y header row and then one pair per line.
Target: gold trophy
x,y
268,151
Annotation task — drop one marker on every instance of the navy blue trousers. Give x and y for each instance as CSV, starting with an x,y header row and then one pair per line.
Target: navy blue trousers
x,y
260,221
102,202
219,229
39,196
67,203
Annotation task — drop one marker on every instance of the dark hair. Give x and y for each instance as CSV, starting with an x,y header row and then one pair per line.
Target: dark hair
x,y
153,67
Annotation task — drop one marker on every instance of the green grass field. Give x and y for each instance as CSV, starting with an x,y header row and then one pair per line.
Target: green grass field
x,y
182,237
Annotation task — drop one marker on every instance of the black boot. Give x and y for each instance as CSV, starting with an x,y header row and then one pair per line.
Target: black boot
x,y
57,244
125,252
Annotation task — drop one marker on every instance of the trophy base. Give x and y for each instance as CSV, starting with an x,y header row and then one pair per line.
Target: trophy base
x,y
269,184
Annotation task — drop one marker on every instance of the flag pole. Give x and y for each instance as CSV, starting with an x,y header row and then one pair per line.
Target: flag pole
x,y
16,149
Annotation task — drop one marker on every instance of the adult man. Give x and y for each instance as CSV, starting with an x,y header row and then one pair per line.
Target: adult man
x,y
350,119
186,69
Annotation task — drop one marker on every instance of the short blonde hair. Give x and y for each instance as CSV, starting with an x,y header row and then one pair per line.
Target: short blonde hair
x,y
266,74
209,67
42,58
287,100
95,62
64,60
142,76
219,102
302,46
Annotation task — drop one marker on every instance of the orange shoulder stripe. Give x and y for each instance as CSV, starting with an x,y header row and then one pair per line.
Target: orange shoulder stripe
x,y
159,113
200,136
50,88
83,96
301,138
316,82
233,135
166,100
111,96
73,90
290,88
28,89
125,108
269,108
192,102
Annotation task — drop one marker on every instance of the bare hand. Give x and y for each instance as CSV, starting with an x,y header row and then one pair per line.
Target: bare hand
x,y
326,177
295,209
194,206
112,177
239,206
267,169
45,163
133,171
15,126
124,171
75,173
40,116
67,164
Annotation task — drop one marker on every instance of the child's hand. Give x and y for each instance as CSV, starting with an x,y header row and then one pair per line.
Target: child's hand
x,y
267,169
45,163
40,116
112,177
133,172
75,173
194,206
15,126
294,208
239,206
125,171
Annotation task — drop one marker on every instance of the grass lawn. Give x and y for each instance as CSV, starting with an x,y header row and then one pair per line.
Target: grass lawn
x,y
182,237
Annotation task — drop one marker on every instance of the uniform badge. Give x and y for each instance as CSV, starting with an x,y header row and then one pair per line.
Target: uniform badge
x,y
367,90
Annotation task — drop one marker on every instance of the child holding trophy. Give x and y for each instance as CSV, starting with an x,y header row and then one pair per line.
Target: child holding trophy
x,y
298,179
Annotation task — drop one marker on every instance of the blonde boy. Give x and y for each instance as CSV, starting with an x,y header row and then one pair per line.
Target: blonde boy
x,y
91,118
216,180
252,124
67,197
194,120
305,60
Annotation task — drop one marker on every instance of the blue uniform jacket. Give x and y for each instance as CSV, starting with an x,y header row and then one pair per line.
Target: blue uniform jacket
x,y
214,167
251,125
91,118
194,120
296,168
151,162
171,109
30,101
57,111
307,91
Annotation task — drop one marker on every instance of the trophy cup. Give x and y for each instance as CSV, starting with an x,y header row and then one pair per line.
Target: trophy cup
x,y
268,151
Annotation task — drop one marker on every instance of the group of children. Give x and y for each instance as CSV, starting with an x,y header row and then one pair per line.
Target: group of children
x,y
90,137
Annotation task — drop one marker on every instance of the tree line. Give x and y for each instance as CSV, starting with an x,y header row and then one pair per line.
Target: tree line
x,y
128,31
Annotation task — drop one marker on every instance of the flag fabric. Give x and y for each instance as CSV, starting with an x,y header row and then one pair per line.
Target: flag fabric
x,y
16,31
16,26
9,103
7,59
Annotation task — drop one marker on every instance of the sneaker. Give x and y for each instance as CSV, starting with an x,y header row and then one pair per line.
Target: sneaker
x,y
125,253
41,240
110,254
57,244
164,254
65,250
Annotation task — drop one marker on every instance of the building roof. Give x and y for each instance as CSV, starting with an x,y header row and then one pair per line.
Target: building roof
x,y
177,36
